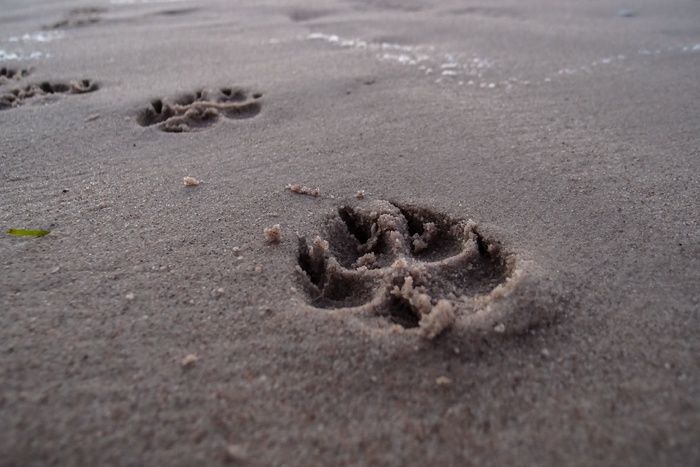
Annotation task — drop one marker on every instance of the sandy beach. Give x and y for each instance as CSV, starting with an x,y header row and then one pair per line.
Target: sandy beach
x,y
357,232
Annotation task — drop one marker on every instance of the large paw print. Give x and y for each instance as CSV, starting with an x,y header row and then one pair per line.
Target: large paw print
x,y
417,268
200,109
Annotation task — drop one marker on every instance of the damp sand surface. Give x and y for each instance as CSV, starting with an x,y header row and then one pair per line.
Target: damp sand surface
x,y
421,233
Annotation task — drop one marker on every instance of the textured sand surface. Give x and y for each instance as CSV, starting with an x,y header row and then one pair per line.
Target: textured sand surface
x,y
508,263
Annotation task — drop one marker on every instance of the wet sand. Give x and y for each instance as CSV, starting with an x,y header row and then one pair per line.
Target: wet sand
x,y
505,197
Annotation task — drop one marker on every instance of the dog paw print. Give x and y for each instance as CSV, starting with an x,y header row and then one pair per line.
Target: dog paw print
x,y
414,267
200,109
78,17
18,95
7,74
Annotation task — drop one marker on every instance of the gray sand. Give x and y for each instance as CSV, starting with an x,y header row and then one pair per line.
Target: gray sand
x,y
156,325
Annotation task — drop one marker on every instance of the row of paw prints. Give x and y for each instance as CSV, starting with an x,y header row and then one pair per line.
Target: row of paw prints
x,y
187,112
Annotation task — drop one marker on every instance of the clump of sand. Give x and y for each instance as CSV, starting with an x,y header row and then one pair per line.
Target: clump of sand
x,y
434,319
304,190
273,234
190,181
421,242
189,361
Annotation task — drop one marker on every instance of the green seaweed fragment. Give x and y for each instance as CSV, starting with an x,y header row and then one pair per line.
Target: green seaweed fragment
x,y
28,233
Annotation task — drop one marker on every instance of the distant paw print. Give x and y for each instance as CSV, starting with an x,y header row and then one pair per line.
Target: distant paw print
x,y
415,267
7,74
19,95
78,17
200,109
